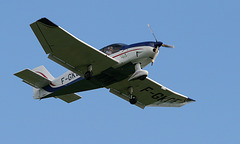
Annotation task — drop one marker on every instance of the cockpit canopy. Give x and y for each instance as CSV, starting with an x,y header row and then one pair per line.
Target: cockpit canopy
x,y
113,48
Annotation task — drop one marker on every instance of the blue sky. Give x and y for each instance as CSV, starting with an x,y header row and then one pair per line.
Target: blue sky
x,y
204,66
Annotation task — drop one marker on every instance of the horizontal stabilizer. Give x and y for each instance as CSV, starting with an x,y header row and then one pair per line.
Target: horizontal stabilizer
x,y
32,78
69,97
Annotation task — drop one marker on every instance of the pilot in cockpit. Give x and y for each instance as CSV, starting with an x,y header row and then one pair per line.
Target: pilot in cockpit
x,y
109,50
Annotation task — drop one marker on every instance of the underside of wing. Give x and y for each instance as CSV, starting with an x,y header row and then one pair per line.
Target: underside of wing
x,y
69,51
149,93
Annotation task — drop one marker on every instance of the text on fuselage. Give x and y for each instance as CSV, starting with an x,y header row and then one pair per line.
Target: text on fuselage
x,y
69,77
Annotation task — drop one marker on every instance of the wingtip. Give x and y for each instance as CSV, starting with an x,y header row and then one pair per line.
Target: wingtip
x,y
47,22
191,100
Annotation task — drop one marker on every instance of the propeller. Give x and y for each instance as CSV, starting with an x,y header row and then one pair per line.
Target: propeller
x,y
158,45
168,46
152,33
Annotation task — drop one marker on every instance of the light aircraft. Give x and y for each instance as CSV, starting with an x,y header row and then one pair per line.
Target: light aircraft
x,y
117,67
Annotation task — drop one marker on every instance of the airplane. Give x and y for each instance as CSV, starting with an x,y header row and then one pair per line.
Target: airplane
x,y
117,67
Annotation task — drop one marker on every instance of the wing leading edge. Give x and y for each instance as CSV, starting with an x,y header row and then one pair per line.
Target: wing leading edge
x,y
149,93
69,51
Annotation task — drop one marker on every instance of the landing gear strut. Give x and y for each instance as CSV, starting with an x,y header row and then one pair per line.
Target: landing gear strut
x,y
139,73
133,99
88,75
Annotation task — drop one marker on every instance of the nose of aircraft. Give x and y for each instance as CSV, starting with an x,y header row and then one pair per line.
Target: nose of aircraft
x,y
157,44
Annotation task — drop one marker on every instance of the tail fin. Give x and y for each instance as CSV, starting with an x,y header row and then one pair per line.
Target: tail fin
x,y
36,77
40,77
43,72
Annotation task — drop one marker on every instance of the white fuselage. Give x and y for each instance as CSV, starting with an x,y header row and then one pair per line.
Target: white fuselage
x,y
141,54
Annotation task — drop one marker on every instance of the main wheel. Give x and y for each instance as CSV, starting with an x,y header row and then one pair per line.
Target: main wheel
x,y
133,100
88,75
143,77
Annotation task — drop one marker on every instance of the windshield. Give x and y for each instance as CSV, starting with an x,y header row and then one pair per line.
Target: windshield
x,y
113,48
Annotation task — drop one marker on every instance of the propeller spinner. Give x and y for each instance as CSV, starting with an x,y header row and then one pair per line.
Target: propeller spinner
x,y
158,45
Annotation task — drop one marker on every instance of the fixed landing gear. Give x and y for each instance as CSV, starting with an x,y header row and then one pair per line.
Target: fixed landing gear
x,y
143,77
88,75
139,73
133,99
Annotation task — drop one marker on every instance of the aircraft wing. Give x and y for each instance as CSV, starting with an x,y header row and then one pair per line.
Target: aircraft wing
x,y
149,93
69,51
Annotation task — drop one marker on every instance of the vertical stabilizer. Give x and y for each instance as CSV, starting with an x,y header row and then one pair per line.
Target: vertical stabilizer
x,y
38,93
41,70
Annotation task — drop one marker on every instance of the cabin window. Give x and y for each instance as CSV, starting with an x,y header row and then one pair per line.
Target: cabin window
x,y
112,48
